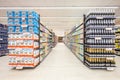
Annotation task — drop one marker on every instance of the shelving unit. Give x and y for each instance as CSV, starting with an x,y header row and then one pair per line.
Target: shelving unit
x,y
23,39
93,42
3,40
54,40
46,41
75,41
100,39
117,40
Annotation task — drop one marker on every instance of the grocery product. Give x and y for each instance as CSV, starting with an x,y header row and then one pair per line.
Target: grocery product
x,y
3,40
23,44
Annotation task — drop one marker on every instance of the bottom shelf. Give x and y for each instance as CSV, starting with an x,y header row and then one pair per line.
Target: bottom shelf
x,y
99,67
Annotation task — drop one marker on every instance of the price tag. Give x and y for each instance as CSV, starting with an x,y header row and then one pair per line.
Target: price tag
x,y
110,68
108,48
1,39
98,38
110,58
99,17
108,28
24,25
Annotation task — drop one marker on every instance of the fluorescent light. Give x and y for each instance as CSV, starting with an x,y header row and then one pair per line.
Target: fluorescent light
x,y
55,7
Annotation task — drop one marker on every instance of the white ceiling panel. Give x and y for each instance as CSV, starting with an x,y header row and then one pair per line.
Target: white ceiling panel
x,y
60,3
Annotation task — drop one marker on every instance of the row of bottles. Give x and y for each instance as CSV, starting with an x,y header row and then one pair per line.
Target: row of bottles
x,y
105,62
101,13
97,21
100,41
106,31
101,51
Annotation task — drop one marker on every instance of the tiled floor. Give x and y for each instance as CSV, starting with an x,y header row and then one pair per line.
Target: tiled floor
x,y
60,64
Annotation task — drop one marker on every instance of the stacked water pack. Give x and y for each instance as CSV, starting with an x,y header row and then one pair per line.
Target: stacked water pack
x,y
23,29
3,39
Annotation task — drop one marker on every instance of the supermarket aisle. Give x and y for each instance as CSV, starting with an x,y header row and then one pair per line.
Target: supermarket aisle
x,y
60,64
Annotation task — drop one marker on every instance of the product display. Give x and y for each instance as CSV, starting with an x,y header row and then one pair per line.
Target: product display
x,y
93,42
117,40
100,39
23,44
54,40
3,40
75,41
47,41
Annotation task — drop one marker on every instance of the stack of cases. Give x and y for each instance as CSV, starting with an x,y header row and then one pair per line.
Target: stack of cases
x,y
75,41
3,40
23,44
100,39
45,41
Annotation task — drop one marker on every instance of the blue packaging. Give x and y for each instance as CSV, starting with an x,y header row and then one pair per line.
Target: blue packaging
x,y
17,21
33,29
18,29
11,29
33,22
24,13
10,21
10,13
32,14
24,21
17,14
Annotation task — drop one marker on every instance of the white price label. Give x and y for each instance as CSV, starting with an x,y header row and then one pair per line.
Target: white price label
x,y
98,38
108,48
99,17
110,58
24,25
1,38
108,28
110,68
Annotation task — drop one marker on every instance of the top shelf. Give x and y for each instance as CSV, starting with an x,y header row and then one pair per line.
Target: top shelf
x,y
100,18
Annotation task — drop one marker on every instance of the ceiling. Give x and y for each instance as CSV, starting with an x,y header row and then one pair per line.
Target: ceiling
x,y
59,15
